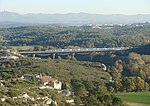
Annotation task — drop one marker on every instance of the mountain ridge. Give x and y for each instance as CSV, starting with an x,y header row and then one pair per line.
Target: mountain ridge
x,y
73,18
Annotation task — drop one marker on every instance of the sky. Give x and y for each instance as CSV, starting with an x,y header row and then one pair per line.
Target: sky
x,y
76,6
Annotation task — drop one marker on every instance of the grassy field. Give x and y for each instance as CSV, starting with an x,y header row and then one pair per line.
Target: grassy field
x,y
135,97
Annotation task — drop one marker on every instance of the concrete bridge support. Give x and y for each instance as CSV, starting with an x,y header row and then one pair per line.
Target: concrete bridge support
x,y
54,55
33,55
73,54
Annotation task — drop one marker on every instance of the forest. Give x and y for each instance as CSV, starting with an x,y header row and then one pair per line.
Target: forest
x,y
80,36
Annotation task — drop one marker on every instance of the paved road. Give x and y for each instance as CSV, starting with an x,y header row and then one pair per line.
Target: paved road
x,y
83,50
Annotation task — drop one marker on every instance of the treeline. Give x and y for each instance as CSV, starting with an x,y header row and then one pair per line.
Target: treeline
x,y
131,76
92,94
83,36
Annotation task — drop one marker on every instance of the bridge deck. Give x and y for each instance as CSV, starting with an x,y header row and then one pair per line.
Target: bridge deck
x,y
84,50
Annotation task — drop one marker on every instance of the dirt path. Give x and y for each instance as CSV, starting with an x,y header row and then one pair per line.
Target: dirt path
x,y
136,104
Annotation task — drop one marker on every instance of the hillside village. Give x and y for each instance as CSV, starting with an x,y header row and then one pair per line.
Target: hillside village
x,y
43,83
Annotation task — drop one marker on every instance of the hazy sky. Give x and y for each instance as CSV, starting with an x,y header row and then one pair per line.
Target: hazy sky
x,y
67,6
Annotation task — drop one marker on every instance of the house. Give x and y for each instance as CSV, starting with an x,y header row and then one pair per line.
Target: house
x,y
47,80
1,39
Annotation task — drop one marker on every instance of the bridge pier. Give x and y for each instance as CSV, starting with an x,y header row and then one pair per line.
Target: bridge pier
x,y
91,58
54,55
73,54
33,55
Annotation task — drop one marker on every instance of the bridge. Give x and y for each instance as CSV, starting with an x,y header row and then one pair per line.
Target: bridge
x,y
73,51
82,50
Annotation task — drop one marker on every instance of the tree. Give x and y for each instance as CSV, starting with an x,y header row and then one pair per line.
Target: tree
x,y
38,48
139,84
107,99
52,104
3,66
13,93
146,86
116,102
73,58
59,58
136,58
78,87
6,75
118,65
102,90
34,80
134,69
116,74
64,86
67,104
68,57
92,101
8,65
117,85
77,100
131,84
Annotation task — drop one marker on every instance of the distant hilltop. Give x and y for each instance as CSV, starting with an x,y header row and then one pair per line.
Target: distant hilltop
x,y
72,18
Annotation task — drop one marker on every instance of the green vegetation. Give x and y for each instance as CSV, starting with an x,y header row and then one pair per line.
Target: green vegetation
x,y
83,36
21,47
89,82
91,78
135,97
57,69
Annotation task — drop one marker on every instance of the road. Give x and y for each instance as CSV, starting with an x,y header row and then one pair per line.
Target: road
x,y
81,50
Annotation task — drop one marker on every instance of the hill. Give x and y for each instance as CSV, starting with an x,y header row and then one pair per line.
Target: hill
x,y
72,18
145,49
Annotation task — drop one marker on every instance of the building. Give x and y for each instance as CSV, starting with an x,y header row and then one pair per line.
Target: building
x,y
1,39
49,81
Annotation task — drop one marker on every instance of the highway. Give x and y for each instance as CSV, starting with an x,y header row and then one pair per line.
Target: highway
x,y
81,50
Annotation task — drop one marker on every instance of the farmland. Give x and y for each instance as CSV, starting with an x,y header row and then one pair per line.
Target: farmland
x,y
135,97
